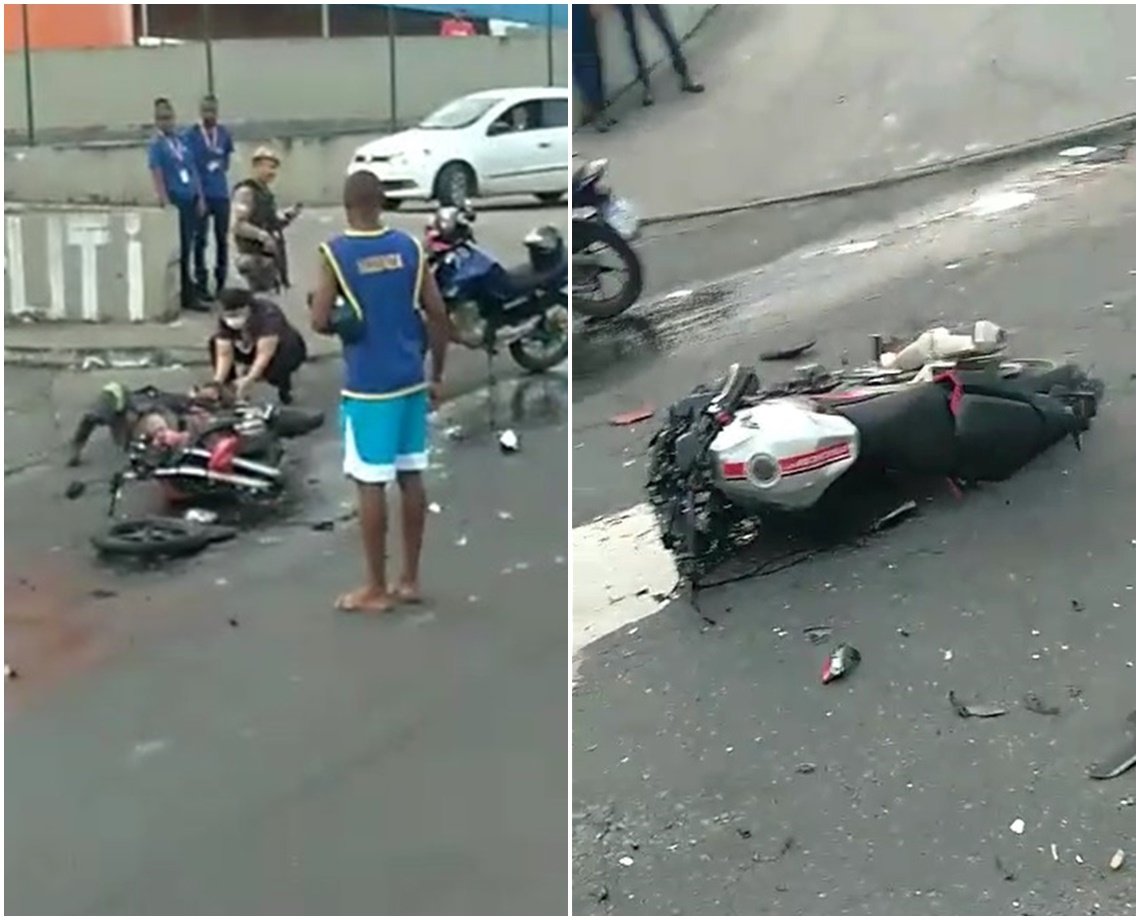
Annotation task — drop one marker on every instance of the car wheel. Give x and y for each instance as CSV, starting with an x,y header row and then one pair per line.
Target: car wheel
x,y
550,197
455,184
393,204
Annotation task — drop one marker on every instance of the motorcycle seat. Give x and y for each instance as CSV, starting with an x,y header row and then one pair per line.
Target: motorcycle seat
x,y
524,278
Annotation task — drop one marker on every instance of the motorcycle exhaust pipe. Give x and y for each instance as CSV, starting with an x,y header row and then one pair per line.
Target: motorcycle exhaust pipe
x,y
245,482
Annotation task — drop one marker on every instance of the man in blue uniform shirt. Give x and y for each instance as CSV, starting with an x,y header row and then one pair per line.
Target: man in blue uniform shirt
x,y
381,274
211,148
176,183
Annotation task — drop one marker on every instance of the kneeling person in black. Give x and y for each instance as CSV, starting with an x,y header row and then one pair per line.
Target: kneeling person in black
x,y
254,334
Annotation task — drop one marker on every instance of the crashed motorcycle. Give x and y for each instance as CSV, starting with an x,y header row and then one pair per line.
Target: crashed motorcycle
x,y
228,458
736,457
602,228
523,307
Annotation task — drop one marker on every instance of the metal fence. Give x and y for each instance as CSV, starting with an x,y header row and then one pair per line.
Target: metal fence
x,y
296,68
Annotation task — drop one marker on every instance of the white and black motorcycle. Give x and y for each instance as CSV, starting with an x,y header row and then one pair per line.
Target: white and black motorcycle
x,y
730,457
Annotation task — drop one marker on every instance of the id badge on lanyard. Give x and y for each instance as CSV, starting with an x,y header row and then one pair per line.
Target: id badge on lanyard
x,y
215,151
180,155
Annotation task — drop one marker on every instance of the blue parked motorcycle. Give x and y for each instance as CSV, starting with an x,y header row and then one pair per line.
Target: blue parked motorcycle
x,y
602,226
490,305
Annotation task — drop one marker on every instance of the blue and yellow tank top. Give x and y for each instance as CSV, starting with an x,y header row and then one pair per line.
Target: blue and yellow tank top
x,y
379,274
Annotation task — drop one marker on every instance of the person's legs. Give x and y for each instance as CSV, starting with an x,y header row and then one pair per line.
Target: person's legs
x,y
290,355
201,231
630,23
187,234
370,429
411,461
660,19
587,64
220,212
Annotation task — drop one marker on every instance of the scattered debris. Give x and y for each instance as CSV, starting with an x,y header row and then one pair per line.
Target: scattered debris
x,y
1077,606
323,525
74,490
975,710
788,354
1053,850
454,433
1018,826
461,540
504,515
508,441
1006,873
1033,703
10,672
221,582
435,508
842,660
1122,760
817,634
903,631
633,416
1079,859
200,516
1117,860
1129,801
146,748
626,861
1074,152
851,248
102,594
785,848
899,514
805,768
233,621
602,894
948,654
269,541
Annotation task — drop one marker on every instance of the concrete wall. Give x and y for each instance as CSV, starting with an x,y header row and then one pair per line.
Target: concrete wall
x,y
90,265
285,80
618,70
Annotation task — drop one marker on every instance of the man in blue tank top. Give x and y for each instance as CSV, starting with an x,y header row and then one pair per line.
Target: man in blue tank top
x,y
396,313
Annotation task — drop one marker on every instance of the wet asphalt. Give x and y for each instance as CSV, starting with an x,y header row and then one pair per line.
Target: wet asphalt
x,y
211,737
689,728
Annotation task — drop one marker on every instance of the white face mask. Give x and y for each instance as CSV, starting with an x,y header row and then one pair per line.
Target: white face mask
x,y
234,322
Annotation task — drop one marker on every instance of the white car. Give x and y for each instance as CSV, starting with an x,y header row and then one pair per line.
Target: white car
x,y
494,142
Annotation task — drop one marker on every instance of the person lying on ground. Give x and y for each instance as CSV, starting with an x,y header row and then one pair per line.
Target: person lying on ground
x,y
254,333
146,411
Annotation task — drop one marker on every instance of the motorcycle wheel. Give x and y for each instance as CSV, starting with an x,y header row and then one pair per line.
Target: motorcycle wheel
x,y
555,347
587,234
152,537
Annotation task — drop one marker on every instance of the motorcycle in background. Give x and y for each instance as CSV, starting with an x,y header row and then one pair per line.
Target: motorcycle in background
x,y
522,307
602,227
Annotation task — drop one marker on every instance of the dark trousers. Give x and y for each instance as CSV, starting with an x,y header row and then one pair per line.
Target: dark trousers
x,y
660,19
187,231
291,353
587,61
218,215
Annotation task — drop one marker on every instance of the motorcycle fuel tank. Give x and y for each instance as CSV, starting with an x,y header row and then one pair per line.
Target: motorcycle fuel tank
x,y
782,454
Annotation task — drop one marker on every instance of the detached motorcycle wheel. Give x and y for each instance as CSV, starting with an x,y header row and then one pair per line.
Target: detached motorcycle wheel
x,y
149,538
590,234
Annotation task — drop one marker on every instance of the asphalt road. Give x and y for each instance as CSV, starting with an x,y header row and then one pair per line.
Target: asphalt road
x,y
212,737
688,732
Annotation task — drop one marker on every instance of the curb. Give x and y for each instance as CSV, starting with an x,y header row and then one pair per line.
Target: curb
x,y
1088,134
127,358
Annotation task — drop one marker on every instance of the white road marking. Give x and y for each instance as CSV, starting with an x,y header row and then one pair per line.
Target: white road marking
x,y
619,565
850,248
997,202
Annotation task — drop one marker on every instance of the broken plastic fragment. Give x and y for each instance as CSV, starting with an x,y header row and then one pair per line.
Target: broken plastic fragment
x,y
975,710
1121,761
633,416
842,660
905,510
805,768
200,516
435,508
74,490
1018,826
1117,860
626,861
788,354
817,634
508,441
504,515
